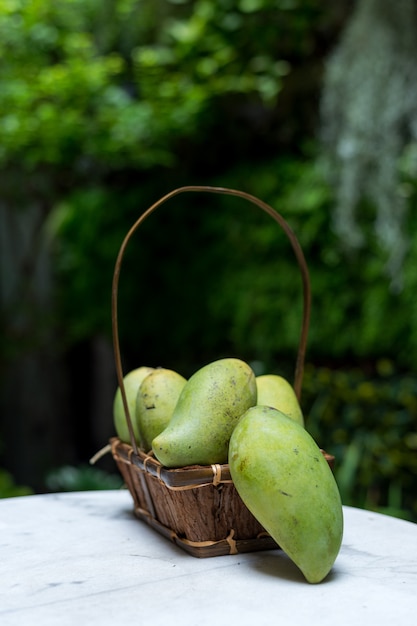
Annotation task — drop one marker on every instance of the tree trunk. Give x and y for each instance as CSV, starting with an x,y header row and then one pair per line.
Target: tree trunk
x,y
33,415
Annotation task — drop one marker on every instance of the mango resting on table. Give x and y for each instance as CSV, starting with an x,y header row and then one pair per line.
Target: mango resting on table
x,y
283,478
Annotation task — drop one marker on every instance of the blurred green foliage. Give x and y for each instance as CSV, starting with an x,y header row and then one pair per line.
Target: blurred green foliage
x,y
369,422
110,84
247,279
9,488
82,478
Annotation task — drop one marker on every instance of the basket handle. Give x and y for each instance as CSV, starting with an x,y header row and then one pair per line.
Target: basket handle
x,y
299,367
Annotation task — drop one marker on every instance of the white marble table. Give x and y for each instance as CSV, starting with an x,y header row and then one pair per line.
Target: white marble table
x,y
83,559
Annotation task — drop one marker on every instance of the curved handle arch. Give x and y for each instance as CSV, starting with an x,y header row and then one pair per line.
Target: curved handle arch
x,y
299,367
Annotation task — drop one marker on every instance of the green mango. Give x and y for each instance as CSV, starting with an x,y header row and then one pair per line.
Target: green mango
x,y
276,391
210,405
132,382
284,480
155,402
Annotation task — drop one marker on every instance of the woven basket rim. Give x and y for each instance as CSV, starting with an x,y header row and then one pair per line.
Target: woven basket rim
x,y
188,477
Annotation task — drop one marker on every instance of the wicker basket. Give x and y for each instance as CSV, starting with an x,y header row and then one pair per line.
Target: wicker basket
x,y
197,507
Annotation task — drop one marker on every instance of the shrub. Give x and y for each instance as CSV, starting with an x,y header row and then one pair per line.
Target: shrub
x,y
369,422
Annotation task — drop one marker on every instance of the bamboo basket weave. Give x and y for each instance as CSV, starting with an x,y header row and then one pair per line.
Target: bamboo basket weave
x,y
197,507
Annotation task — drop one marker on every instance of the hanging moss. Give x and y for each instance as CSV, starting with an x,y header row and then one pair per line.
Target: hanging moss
x,y
369,123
